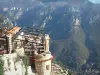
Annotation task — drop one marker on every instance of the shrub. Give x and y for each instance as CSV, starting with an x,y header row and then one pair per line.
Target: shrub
x,y
1,67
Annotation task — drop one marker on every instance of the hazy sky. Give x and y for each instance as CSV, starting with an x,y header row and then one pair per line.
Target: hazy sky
x,y
95,1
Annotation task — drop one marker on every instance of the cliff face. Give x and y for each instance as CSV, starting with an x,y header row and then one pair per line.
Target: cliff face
x,y
76,45
72,50
5,22
91,21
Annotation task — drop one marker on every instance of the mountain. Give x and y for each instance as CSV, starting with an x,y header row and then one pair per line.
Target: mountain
x,y
73,27
91,29
5,22
72,50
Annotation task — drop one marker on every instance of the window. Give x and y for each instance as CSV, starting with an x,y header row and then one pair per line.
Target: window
x,y
47,67
3,44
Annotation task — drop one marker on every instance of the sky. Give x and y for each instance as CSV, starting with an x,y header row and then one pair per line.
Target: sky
x,y
95,1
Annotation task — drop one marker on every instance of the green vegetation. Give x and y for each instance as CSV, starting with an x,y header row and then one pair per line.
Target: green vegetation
x,y
92,30
1,67
69,73
72,51
26,63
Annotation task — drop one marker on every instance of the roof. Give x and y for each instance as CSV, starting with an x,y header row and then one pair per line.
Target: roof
x,y
14,30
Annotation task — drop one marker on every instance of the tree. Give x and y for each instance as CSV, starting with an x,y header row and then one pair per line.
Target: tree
x,y
1,67
69,73
26,62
